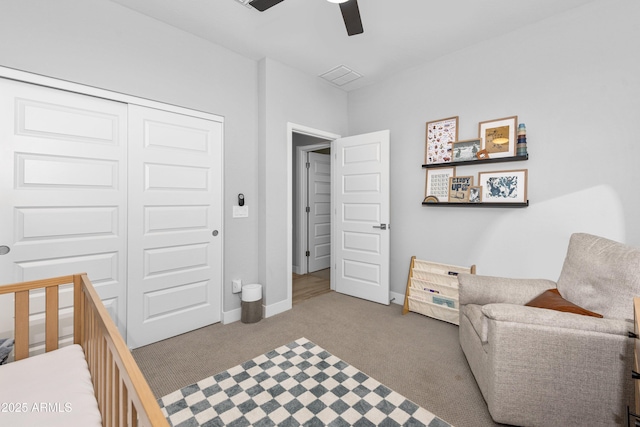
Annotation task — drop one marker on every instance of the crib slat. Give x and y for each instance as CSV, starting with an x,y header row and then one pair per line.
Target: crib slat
x,y
21,344
51,319
78,310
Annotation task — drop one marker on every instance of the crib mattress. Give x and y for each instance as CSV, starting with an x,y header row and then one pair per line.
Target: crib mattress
x,y
51,389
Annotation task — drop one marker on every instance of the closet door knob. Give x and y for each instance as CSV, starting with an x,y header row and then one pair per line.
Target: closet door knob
x,y
214,233
4,250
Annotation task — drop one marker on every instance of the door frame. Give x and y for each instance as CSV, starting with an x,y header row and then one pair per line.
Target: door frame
x,y
305,130
303,194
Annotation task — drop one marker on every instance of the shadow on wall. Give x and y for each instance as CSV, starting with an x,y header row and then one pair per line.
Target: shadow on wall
x,y
533,243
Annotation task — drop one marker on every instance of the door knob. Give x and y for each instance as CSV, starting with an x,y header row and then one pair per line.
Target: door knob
x,y
381,226
4,250
214,233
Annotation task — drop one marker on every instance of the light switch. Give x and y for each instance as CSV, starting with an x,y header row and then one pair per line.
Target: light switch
x,y
241,211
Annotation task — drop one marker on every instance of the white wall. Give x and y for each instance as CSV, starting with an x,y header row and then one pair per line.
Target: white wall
x,y
574,80
102,44
286,96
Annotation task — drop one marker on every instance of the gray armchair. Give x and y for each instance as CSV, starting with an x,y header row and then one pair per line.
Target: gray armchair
x,y
541,367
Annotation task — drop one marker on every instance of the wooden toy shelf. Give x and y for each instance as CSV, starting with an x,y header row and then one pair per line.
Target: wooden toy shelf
x,y
432,289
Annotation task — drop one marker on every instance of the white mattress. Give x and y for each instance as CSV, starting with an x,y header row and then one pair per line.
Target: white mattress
x,y
52,389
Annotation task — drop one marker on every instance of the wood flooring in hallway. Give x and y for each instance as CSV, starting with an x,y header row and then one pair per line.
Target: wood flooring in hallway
x,y
310,285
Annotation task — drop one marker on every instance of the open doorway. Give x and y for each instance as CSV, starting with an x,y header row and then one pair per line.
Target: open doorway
x,y
311,213
311,217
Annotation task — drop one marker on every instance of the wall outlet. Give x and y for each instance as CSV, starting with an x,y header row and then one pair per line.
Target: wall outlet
x,y
236,286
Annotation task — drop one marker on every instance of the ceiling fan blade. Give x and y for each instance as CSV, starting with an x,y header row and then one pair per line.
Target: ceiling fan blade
x,y
351,16
263,5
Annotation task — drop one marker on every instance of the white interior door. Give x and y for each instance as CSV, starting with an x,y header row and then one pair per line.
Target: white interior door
x,y
319,215
62,196
175,217
361,194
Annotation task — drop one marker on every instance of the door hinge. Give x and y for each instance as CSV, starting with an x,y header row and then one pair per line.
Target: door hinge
x,y
308,209
308,165
308,253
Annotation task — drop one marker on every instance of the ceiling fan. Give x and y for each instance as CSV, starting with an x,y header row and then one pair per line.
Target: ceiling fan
x,y
349,9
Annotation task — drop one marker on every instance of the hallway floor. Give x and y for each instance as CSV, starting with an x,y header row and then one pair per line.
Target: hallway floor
x,y
310,285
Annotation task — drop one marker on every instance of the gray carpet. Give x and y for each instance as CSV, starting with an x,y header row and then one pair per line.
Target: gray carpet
x,y
414,355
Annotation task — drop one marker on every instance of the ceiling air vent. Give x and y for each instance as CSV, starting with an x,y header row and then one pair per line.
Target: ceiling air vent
x,y
340,75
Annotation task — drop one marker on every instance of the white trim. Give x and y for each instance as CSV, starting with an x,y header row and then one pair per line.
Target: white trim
x,y
291,128
277,308
231,316
396,298
38,79
302,266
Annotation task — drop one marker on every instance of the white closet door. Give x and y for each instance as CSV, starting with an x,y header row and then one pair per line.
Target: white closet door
x,y
62,195
175,224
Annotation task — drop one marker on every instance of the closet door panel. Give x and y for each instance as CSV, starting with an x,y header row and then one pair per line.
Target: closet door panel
x,y
175,204
62,192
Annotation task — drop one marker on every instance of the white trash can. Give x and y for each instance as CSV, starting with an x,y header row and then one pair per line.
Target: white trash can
x,y
251,303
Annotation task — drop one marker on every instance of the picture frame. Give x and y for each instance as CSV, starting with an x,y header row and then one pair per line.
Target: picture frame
x,y
467,150
504,186
475,194
499,136
439,136
459,189
437,183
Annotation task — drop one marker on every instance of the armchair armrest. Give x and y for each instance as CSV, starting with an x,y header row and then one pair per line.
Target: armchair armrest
x,y
481,290
557,319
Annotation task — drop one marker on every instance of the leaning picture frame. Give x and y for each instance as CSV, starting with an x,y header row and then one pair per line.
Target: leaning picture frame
x,y
440,134
499,136
438,182
467,150
504,186
475,194
459,189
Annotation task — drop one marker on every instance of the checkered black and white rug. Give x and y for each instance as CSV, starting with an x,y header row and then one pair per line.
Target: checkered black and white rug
x,y
298,384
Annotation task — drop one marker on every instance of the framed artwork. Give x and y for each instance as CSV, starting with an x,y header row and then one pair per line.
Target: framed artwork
x,y
440,135
464,151
499,136
459,188
438,182
475,194
504,186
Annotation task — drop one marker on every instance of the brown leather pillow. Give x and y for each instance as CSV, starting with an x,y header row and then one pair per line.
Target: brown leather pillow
x,y
552,300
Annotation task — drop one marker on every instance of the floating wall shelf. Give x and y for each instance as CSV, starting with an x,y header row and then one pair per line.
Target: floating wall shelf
x,y
479,205
478,162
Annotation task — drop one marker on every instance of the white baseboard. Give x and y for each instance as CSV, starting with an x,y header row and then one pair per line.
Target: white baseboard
x,y
396,298
277,308
231,316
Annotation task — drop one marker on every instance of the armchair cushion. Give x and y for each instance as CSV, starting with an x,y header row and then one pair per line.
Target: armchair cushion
x,y
552,300
601,275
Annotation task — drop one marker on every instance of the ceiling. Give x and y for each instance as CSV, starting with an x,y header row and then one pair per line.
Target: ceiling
x,y
309,35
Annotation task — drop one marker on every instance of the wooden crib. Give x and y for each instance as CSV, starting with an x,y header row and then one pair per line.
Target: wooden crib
x,y
121,391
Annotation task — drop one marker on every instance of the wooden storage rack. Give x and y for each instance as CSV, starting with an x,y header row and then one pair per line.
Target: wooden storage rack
x,y
432,289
